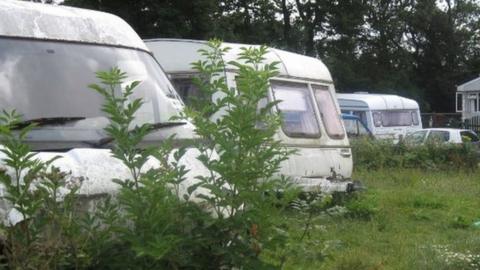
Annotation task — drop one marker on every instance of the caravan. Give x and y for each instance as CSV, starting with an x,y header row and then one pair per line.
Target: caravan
x,y
48,57
387,116
311,116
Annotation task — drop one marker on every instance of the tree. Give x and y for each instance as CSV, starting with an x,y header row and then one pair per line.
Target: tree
x,y
415,48
163,18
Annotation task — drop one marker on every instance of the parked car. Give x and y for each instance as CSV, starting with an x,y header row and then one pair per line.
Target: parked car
x,y
354,126
442,135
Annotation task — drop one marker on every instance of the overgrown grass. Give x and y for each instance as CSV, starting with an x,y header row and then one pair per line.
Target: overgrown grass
x,y
407,219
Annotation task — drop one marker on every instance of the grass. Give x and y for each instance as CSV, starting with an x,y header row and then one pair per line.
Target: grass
x,y
407,219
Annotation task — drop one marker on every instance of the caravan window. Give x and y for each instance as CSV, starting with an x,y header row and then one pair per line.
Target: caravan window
x,y
299,118
395,118
187,89
377,118
60,90
328,112
415,118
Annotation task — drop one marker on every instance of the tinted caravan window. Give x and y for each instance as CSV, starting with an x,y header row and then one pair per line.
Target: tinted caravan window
x,y
50,79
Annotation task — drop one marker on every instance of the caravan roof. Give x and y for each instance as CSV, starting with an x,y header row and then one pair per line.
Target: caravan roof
x,y
376,101
291,64
39,21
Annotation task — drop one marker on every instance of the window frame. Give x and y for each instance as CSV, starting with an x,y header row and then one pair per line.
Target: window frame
x,y
459,101
272,97
381,114
322,87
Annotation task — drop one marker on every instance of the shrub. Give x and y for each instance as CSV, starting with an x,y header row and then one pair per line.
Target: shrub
x,y
378,154
363,206
243,179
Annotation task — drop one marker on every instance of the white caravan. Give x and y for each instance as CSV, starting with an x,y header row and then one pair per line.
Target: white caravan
x,y
387,116
311,116
48,57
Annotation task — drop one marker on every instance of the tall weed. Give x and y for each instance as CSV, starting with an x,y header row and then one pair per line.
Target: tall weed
x,y
243,182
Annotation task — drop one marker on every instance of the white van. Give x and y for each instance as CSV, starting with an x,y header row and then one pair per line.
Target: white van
x,y
49,56
311,116
387,116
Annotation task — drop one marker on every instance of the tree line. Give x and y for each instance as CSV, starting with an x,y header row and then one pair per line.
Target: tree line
x,y
416,48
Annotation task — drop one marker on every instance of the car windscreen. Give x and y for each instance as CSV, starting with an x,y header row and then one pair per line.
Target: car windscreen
x,y
416,137
43,79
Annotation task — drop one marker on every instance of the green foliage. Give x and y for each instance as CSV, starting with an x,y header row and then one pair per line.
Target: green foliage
x,y
243,181
363,207
155,227
45,231
164,228
378,154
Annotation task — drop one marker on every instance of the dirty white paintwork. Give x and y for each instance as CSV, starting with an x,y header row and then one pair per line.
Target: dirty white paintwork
x,y
316,158
381,102
33,20
97,168
176,56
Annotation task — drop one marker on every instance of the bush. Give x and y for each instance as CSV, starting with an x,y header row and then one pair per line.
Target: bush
x,y
378,154
250,214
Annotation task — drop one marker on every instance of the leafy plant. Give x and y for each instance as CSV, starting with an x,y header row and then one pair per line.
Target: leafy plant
x,y
159,228
243,183
41,226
